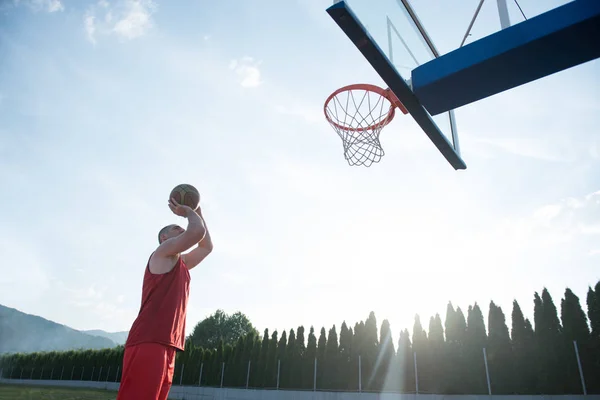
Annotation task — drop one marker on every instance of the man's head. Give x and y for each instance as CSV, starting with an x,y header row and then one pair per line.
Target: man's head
x,y
169,232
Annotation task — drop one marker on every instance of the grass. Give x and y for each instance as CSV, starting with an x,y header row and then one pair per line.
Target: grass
x,y
22,392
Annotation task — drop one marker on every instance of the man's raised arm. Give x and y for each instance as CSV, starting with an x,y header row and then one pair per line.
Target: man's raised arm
x,y
205,247
192,235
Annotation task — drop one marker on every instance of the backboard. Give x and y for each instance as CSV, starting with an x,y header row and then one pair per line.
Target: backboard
x,y
390,36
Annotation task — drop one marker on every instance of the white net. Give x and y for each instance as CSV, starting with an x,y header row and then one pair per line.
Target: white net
x,y
358,116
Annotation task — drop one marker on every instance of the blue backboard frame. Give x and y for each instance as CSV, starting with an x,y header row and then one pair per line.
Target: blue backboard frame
x,y
347,20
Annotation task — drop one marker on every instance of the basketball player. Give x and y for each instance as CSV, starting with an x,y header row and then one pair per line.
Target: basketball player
x,y
158,332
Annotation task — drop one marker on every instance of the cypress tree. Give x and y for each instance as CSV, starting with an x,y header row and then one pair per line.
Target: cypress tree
x,y
208,368
359,337
261,366
235,375
436,331
299,363
280,357
288,364
549,344
450,324
461,326
540,337
525,381
593,312
551,314
369,351
574,320
476,332
189,373
358,346
300,341
437,354
405,363
562,350
352,383
386,353
271,368
345,353
309,359
499,352
281,346
593,306
247,357
420,347
462,361
197,362
455,361
217,366
228,370
331,361
452,352
476,340
322,367
575,328
255,358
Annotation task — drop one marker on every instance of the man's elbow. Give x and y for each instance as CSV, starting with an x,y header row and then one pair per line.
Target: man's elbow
x,y
206,244
197,232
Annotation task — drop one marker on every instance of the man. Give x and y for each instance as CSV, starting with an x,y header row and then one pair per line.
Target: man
x,y
159,329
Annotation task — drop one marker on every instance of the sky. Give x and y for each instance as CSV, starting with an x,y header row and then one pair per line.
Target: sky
x,y
106,105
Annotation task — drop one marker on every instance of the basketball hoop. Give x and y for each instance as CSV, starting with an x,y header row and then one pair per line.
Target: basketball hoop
x,y
358,113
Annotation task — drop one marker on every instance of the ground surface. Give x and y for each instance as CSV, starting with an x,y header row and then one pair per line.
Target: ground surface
x,y
21,392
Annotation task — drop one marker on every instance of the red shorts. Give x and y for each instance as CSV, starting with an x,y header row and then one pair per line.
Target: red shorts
x,y
147,372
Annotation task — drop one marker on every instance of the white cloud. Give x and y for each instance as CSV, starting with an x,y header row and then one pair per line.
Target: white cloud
x,y
247,71
569,218
136,19
90,27
54,5
85,297
128,19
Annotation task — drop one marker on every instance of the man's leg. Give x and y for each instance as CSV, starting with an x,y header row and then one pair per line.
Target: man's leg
x,y
144,368
168,377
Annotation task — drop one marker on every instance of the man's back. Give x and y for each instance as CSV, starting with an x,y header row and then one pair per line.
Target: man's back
x,y
162,315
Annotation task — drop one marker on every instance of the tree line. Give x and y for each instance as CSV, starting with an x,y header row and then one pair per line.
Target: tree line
x,y
532,357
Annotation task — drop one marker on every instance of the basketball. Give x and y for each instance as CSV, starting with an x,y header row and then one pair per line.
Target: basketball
x,y
186,194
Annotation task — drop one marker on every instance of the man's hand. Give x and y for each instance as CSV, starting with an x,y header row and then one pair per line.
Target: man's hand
x,y
180,209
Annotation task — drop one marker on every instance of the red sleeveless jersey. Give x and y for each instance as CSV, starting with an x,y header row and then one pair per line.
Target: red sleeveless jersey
x,y
162,315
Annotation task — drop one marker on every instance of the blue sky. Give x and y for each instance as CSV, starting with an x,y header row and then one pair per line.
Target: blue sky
x,y
106,105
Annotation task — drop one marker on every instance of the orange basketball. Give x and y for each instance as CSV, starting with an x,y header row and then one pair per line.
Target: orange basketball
x,y
186,195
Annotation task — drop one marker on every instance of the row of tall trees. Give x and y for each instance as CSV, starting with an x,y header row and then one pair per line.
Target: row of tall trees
x,y
530,357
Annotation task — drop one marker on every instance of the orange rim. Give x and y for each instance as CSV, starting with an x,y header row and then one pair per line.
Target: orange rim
x,y
387,93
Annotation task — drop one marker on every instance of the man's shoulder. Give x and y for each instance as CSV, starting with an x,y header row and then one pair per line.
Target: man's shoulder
x,y
158,264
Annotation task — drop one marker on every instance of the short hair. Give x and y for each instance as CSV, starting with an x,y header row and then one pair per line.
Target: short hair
x,y
163,231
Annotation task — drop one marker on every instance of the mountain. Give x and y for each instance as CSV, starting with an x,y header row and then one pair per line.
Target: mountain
x,y
117,337
25,333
